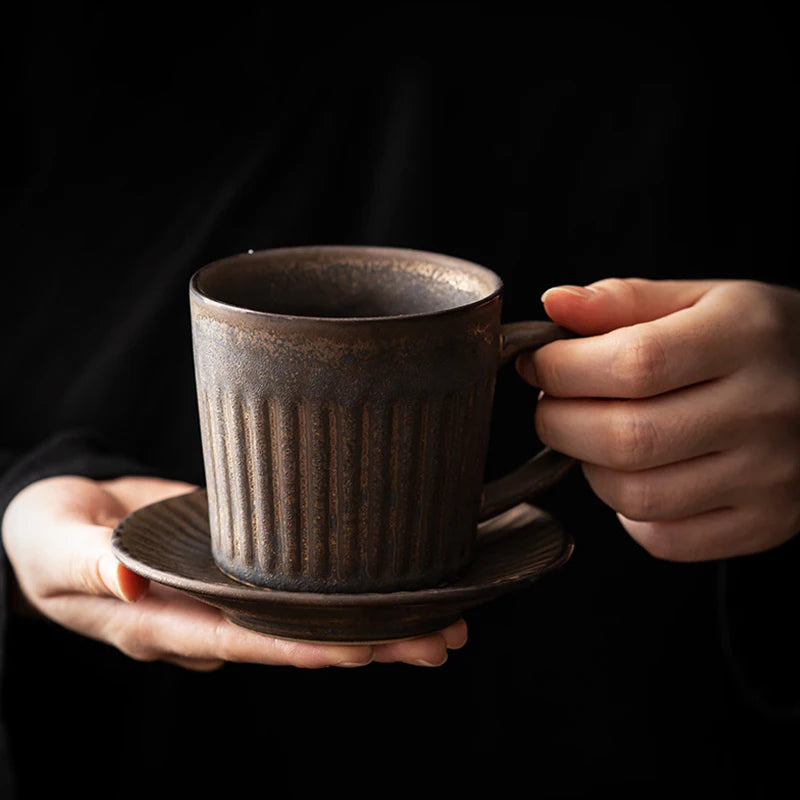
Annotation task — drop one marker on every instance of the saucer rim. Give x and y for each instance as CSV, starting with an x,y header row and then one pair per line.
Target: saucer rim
x,y
229,589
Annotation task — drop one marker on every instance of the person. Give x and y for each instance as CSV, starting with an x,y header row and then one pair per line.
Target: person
x,y
602,158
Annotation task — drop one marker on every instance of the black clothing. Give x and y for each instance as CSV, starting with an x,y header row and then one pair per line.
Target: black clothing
x,y
552,148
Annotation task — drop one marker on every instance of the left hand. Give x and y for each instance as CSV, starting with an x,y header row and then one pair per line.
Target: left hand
x,y
682,402
57,536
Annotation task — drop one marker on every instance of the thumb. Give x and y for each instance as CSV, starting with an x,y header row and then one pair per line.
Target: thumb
x,y
618,302
118,580
57,535
86,544
92,568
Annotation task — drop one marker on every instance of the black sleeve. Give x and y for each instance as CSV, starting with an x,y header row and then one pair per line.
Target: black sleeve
x,y
72,452
758,605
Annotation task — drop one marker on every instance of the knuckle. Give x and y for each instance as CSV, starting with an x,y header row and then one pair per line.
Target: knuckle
x,y
632,439
221,647
549,373
639,364
638,500
627,288
756,304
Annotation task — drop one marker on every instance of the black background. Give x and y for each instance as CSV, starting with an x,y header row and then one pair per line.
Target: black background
x,y
554,146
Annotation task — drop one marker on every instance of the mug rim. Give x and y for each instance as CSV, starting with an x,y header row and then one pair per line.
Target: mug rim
x,y
494,282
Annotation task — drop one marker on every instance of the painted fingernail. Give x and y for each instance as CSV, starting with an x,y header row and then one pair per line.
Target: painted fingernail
x,y
108,569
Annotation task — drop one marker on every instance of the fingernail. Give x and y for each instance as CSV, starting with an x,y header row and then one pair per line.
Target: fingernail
x,y
577,291
420,662
351,664
108,570
132,586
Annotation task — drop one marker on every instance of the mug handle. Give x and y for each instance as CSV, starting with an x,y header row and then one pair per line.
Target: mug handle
x,y
547,467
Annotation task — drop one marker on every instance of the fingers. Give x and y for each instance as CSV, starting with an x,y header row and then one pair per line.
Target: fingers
x,y
688,346
681,402
615,303
455,636
721,533
641,434
167,625
671,492
639,361
425,651
725,504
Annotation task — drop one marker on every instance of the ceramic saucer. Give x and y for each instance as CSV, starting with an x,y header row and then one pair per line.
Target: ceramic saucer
x,y
169,542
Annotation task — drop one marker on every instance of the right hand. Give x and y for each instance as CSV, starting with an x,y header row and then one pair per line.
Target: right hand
x,y
57,535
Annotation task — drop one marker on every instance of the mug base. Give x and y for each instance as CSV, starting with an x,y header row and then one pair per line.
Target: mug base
x,y
306,586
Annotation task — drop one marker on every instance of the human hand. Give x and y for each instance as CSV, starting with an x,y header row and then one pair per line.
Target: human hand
x,y
57,535
683,405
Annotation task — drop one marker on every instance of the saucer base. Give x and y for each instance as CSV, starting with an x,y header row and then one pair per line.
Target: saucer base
x,y
337,633
169,543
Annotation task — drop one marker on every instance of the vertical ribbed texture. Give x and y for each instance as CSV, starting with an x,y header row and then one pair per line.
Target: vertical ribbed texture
x,y
331,495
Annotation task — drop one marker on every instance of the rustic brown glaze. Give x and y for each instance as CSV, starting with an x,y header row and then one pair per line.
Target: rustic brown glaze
x,y
169,542
345,396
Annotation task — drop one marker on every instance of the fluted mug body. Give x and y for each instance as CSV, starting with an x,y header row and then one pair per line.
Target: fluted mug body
x,y
345,398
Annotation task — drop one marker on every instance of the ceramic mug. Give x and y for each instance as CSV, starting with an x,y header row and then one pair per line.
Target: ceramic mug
x,y
345,397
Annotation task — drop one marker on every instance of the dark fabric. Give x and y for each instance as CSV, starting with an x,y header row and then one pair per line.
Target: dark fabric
x,y
551,147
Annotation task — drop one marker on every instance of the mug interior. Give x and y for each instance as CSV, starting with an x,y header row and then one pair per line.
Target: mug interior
x,y
345,282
